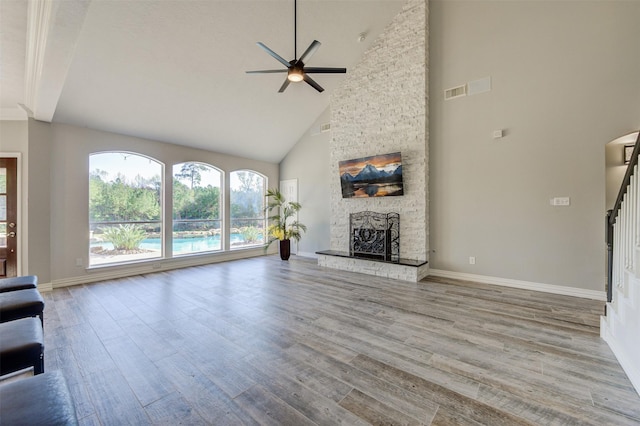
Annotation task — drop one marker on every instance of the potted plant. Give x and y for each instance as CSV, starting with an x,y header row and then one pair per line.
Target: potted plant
x,y
283,226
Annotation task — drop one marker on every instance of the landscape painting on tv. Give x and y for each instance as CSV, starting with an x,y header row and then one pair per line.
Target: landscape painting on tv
x,y
377,176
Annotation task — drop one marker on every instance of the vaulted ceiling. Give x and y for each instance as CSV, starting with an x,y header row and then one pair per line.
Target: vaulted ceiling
x,y
174,70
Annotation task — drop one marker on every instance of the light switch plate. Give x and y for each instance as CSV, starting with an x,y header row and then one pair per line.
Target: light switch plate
x,y
561,201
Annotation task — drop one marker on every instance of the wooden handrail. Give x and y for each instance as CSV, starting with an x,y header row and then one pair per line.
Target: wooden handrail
x,y
625,181
609,239
613,214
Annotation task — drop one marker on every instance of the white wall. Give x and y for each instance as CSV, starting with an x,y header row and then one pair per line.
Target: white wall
x,y
13,136
565,81
308,162
66,223
39,200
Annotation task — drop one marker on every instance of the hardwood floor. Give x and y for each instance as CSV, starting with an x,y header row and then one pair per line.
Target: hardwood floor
x,y
262,341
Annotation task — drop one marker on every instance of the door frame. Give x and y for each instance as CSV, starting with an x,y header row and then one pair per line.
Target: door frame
x,y
21,228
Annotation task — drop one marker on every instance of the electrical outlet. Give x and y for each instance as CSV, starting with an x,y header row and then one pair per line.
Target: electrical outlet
x,y
472,260
79,262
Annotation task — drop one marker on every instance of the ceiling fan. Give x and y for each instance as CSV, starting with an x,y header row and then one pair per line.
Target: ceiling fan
x,y
296,70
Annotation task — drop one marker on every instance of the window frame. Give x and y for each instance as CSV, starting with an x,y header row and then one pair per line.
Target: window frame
x,y
160,222
263,213
221,210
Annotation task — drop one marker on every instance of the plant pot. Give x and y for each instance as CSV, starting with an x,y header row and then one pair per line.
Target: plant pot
x,y
285,249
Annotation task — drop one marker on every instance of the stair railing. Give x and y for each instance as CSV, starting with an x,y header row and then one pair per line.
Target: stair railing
x,y
623,228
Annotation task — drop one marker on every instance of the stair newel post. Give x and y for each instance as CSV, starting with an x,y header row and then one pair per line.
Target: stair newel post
x,y
609,228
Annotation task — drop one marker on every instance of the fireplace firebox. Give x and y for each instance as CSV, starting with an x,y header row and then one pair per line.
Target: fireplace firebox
x,y
375,235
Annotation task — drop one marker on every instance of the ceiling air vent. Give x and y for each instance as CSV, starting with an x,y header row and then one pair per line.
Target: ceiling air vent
x,y
325,127
455,92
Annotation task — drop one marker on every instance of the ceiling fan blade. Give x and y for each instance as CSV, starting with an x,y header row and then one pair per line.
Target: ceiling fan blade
x,y
274,55
322,70
315,44
313,84
264,71
284,85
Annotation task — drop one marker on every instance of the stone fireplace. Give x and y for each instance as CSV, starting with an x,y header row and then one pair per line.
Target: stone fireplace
x,y
383,108
374,248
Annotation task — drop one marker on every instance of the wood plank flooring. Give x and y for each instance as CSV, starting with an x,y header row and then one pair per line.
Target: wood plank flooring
x,y
266,342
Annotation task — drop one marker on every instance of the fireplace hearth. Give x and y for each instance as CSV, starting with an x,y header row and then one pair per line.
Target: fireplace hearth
x,y
374,248
375,236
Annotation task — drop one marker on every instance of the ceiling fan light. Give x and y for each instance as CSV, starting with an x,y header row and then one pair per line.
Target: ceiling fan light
x,y
295,75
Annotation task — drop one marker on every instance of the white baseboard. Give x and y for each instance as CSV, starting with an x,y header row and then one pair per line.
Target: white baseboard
x,y
45,286
525,285
307,254
626,361
148,267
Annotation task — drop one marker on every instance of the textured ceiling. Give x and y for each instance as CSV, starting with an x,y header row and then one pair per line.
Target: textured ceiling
x,y
175,70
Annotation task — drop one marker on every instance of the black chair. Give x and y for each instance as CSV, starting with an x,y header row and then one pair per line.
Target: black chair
x,y
39,400
18,283
21,304
21,346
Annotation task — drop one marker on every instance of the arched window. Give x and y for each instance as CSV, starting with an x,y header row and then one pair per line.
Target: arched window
x,y
247,208
125,208
197,201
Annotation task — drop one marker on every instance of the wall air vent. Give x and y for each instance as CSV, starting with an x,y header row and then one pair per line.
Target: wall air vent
x,y
455,92
316,130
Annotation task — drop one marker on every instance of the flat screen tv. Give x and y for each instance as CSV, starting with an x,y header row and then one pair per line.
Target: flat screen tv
x,y
376,176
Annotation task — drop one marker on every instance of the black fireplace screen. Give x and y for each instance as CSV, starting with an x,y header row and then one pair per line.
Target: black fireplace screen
x,y
375,235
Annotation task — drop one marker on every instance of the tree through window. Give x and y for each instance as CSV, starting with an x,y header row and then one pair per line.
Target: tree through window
x,y
196,208
125,208
247,208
